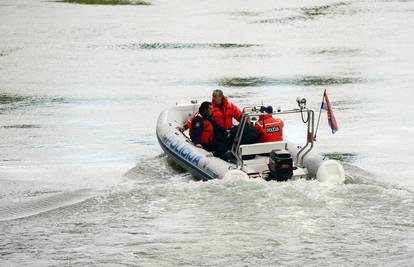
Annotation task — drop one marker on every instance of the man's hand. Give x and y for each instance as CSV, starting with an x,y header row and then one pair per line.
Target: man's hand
x,y
180,128
199,146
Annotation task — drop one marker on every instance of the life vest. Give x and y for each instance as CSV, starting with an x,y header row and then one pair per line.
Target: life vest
x,y
188,122
223,115
269,129
207,133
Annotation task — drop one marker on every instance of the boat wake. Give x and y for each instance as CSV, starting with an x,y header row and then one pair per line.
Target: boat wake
x,y
358,176
150,171
159,169
43,204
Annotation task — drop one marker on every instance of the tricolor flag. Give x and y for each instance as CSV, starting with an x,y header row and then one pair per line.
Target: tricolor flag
x,y
326,105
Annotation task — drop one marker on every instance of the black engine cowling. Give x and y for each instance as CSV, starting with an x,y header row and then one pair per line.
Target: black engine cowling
x,y
280,165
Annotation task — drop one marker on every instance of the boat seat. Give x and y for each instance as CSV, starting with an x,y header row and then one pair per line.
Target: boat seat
x,y
261,148
256,165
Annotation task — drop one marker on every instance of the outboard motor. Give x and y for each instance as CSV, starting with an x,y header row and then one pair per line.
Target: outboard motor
x,y
280,165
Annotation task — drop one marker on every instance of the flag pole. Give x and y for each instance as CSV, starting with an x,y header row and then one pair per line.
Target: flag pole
x,y
319,117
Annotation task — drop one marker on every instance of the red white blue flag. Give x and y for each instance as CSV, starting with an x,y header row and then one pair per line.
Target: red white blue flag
x,y
326,105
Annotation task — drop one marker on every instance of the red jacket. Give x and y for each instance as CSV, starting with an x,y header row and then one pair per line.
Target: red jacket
x,y
269,129
223,115
201,131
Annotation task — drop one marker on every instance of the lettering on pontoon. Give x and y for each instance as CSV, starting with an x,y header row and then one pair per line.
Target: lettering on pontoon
x,y
182,150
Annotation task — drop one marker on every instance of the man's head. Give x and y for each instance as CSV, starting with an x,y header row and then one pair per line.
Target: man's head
x,y
269,109
218,96
206,109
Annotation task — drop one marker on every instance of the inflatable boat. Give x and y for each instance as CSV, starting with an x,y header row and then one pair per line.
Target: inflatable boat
x,y
280,161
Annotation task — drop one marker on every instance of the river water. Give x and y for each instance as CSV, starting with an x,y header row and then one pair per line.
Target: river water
x,y
83,181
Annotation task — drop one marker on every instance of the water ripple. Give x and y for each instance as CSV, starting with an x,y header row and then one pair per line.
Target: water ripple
x,y
306,13
337,51
154,46
297,81
343,157
8,51
21,126
106,2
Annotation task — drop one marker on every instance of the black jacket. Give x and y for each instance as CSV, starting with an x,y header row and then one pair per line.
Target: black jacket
x,y
250,136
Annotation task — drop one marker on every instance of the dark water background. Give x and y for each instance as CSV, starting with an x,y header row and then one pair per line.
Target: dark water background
x,y
83,180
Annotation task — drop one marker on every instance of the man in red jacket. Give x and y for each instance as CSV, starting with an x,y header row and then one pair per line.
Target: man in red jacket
x,y
270,129
224,111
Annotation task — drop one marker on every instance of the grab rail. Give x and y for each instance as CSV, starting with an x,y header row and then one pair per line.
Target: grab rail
x,y
255,111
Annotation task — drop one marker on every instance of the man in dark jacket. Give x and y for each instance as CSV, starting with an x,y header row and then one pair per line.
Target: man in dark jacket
x,y
250,136
204,131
